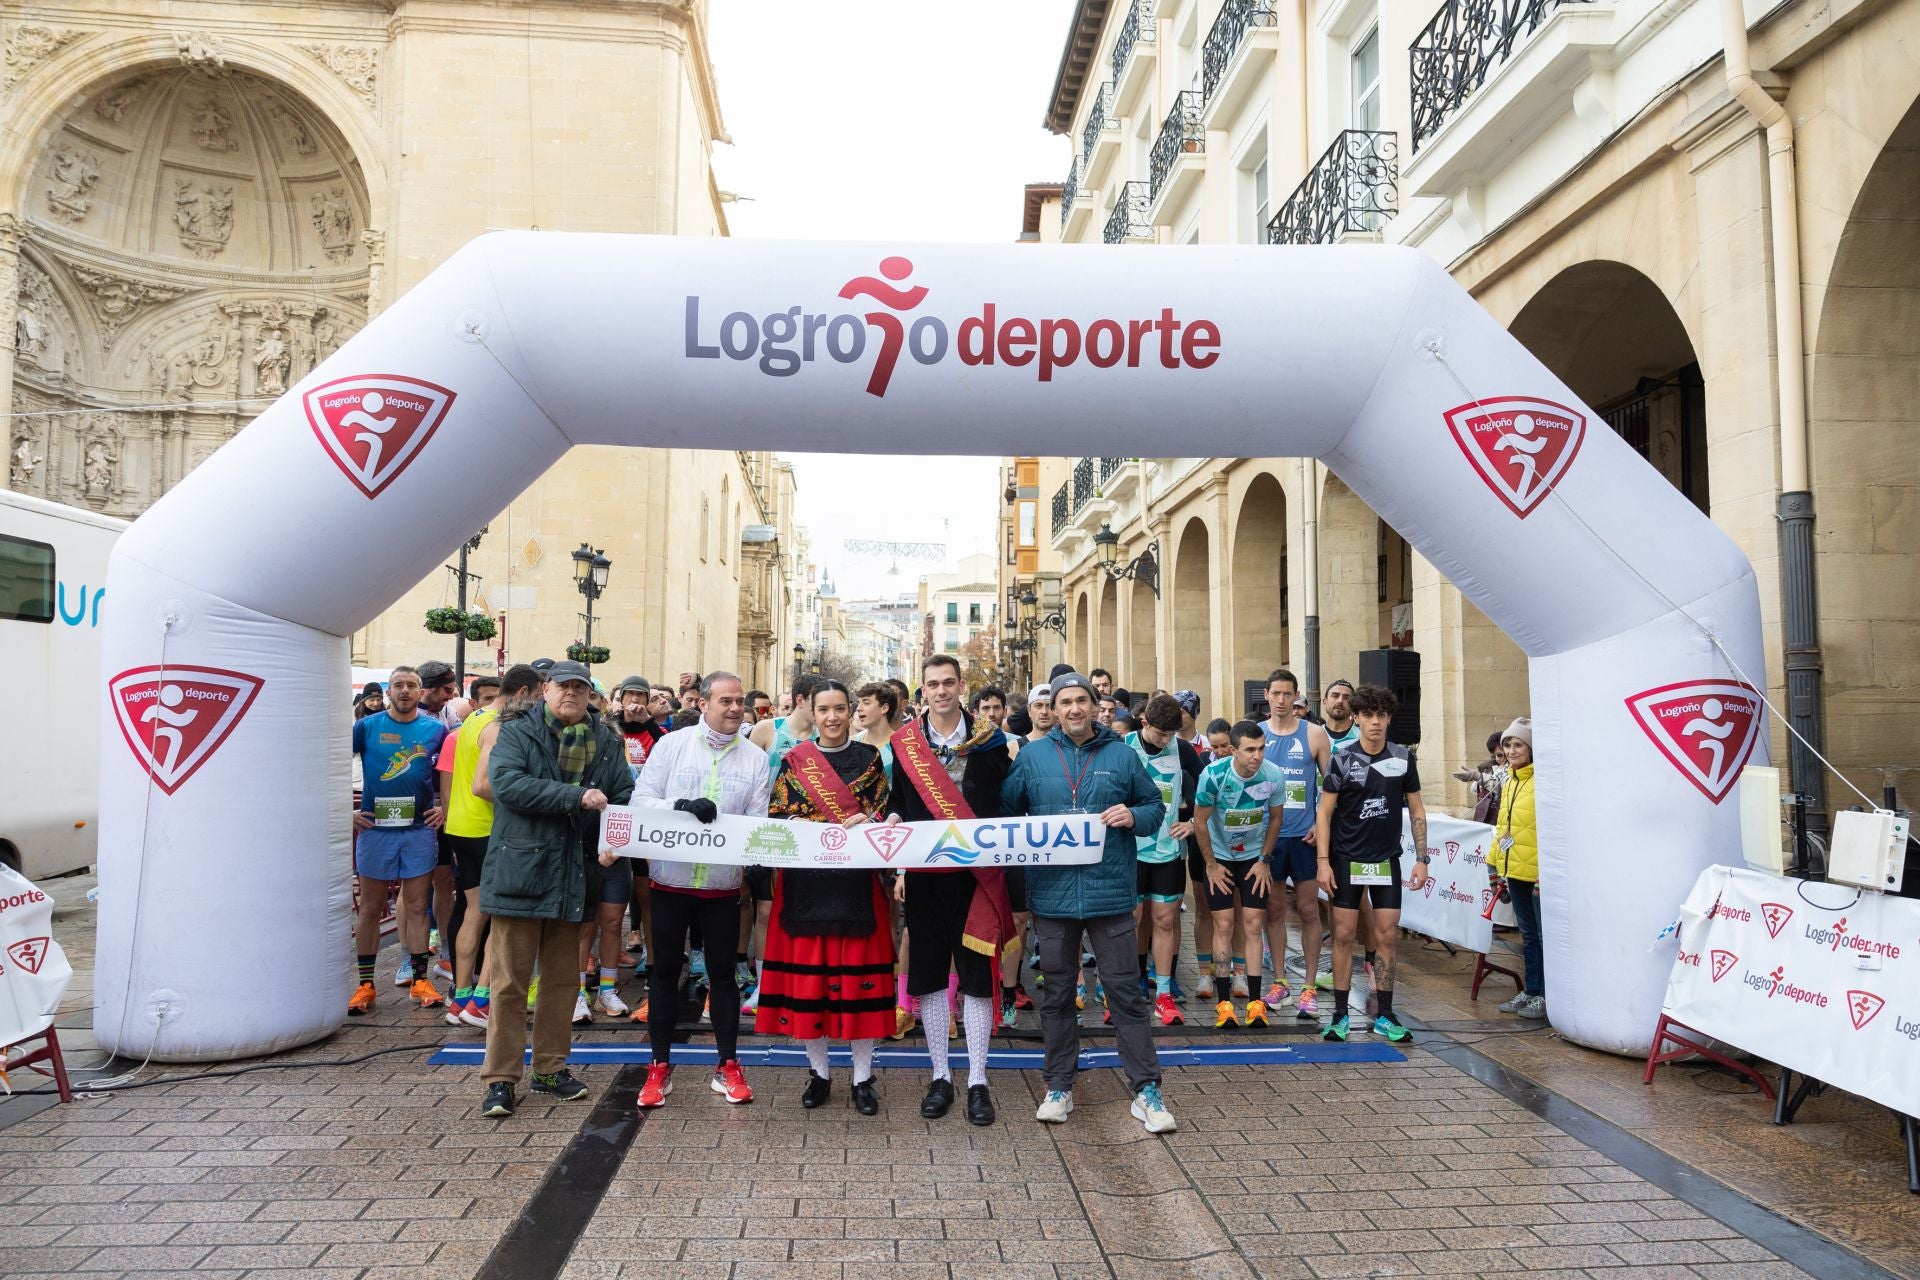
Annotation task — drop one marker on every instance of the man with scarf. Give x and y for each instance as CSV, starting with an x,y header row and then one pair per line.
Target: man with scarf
x,y
948,765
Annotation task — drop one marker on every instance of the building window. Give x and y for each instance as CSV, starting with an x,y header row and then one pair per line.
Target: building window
x,y
953,611
1262,204
1363,74
26,580
705,514
1029,517
973,612
953,639
1011,554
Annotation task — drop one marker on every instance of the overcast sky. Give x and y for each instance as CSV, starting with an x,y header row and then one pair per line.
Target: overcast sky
x,y
887,120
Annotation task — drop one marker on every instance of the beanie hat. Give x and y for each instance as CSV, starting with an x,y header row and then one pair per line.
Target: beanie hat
x,y
1521,728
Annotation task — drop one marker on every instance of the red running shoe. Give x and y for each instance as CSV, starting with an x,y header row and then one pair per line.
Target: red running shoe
x,y
659,1084
1170,1015
730,1082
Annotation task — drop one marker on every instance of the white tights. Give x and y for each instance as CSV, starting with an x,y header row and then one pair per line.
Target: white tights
x,y
821,1064
976,1018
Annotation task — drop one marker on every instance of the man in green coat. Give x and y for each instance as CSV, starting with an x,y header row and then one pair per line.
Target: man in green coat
x,y
553,769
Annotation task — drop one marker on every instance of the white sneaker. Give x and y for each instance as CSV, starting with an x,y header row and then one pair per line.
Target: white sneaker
x,y
751,1004
1513,1005
610,1003
1240,986
582,1015
1150,1109
1535,1007
1055,1107
403,976
443,970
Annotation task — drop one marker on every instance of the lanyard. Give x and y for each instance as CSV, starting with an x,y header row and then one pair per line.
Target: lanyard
x,y
1073,780
1512,800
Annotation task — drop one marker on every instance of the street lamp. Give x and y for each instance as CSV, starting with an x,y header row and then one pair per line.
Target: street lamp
x,y
590,570
799,658
1144,567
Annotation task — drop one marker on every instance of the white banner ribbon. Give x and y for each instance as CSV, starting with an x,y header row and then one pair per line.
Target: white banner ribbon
x,y
1453,904
1068,839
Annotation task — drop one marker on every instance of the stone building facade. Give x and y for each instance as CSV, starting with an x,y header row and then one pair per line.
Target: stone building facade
x,y
203,200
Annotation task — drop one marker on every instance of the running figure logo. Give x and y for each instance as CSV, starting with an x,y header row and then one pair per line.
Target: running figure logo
x,y
1776,916
893,334
1863,1007
1520,446
28,953
373,426
886,841
174,718
1723,961
1706,728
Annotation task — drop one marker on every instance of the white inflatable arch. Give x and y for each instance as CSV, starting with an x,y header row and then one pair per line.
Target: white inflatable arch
x,y
224,815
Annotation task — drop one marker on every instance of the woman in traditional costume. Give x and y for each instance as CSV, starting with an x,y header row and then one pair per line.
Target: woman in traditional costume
x,y
829,956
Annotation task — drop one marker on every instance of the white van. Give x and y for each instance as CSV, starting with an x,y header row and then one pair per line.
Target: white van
x,y
53,575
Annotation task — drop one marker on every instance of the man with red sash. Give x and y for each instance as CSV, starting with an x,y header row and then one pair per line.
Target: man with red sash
x,y
948,765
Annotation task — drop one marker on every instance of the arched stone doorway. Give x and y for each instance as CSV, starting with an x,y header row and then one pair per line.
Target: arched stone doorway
x,y
1192,666
1611,335
1259,600
191,237
1082,633
1107,651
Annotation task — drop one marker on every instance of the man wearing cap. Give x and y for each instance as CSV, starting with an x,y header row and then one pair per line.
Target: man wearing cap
x,y
1191,730
552,769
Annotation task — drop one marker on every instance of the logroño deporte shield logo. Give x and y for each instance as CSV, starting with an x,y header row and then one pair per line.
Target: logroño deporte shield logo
x,y
1706,728
174,718
373,425
1520,446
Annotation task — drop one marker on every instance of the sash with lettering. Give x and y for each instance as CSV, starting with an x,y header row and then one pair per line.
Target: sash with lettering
x,y
989,925
823,787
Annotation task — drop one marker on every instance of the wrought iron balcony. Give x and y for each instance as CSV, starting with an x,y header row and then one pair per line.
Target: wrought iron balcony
x,y
1062,507
1069,191
1224,40
1129,218
1082,483
1180,135
1460,48
1138,29
1353,186
1109,467
1101,117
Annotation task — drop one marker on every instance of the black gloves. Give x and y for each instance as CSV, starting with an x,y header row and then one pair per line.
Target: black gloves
x,y
702,809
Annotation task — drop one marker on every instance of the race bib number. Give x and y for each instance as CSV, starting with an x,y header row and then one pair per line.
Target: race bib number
x,y
1370,873
1296,793
1238,819
393,811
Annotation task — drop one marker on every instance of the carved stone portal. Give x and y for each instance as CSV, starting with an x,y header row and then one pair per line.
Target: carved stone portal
x,y
75,170
212,124
333,219
203,215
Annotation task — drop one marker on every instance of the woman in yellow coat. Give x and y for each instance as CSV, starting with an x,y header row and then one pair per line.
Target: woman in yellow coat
x,y
1516,859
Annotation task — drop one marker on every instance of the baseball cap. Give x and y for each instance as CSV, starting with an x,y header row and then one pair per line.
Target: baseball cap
x,y
561,672
543,665
435,674
1189,701
1040,693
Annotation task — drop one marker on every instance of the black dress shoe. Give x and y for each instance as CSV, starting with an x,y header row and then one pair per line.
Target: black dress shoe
x,y
818,1091
979,1105
866,1099
939,1098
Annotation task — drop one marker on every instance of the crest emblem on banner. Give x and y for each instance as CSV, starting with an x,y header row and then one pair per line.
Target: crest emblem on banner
x,y
1776,917
1706,728
29,952
374,425
1520,446
619,830
1723,961
175,718
886,841
833,839
1863,1007
1453,850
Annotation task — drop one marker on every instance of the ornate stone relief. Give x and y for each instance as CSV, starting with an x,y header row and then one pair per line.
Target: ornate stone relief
x,y
332,217
293,129
200,49
203,215
23,459
113,104
33,317
212,123
30,45
74,171
356,64
271,361
117,299
100,465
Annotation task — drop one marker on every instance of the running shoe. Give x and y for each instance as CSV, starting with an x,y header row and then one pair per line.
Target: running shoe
x,y
1169,1011
1223,1015
454,1009
706,1009
1179,992
1008,1012
426,993
1278,993
1150,1109
730,1082
433,938
1336,1030
474,1014
1146,981
361,1001
640,1014
1021,1000
751,1005
610,1003
533,991
499,1101
1099,990
403,976
1389,1026
1080,996
560,1085
742,977
1203,990
443,969
1240,991
1324,980
1106,1016
1256,1013
1513,1005
659,1084
1307,1008
1055,1107
902,1023
582,1014
1535,1007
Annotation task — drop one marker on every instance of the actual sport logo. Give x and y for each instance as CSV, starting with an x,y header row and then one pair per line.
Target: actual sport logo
x,y
1776,916
1863,1007
374,425
1723,961
954,846
28,953
1706,728
886,841
175,718
1520,446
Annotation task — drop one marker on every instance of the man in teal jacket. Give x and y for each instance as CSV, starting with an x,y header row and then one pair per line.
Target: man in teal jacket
x,y
1084,767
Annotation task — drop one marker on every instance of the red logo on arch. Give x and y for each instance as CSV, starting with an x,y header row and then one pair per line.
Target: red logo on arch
x,y
28,953
1520,446
175,718
1723,961
1863,1007
1706,728
374,425
886,841
1776,917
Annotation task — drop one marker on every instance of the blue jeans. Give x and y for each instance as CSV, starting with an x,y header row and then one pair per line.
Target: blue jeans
x,y
1526,910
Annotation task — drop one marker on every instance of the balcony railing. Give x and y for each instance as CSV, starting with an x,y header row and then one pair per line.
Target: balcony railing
x,y
1062,507
1223,41
1129,217
1180,135
1069,191
1082,483
1137,29
1353,186
1101,117
1110,467
1460,48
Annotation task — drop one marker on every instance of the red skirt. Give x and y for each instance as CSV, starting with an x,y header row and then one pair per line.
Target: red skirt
x,y
840,988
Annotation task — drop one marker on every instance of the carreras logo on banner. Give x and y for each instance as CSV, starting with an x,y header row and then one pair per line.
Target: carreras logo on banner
x,y
175,718
1520,446
1706,728
782,343
373,426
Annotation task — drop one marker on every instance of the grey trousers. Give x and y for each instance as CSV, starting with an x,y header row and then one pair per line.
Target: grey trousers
x,y
1111,939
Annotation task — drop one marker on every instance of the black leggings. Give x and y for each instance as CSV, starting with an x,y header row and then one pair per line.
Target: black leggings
x,y
719,922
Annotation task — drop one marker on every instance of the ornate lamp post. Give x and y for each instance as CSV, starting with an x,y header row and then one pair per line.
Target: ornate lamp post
x,y
1144,567
590,570
799,660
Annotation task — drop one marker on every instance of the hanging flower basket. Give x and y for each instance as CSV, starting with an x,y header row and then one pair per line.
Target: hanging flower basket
x,y
592,655
446,622
480,627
